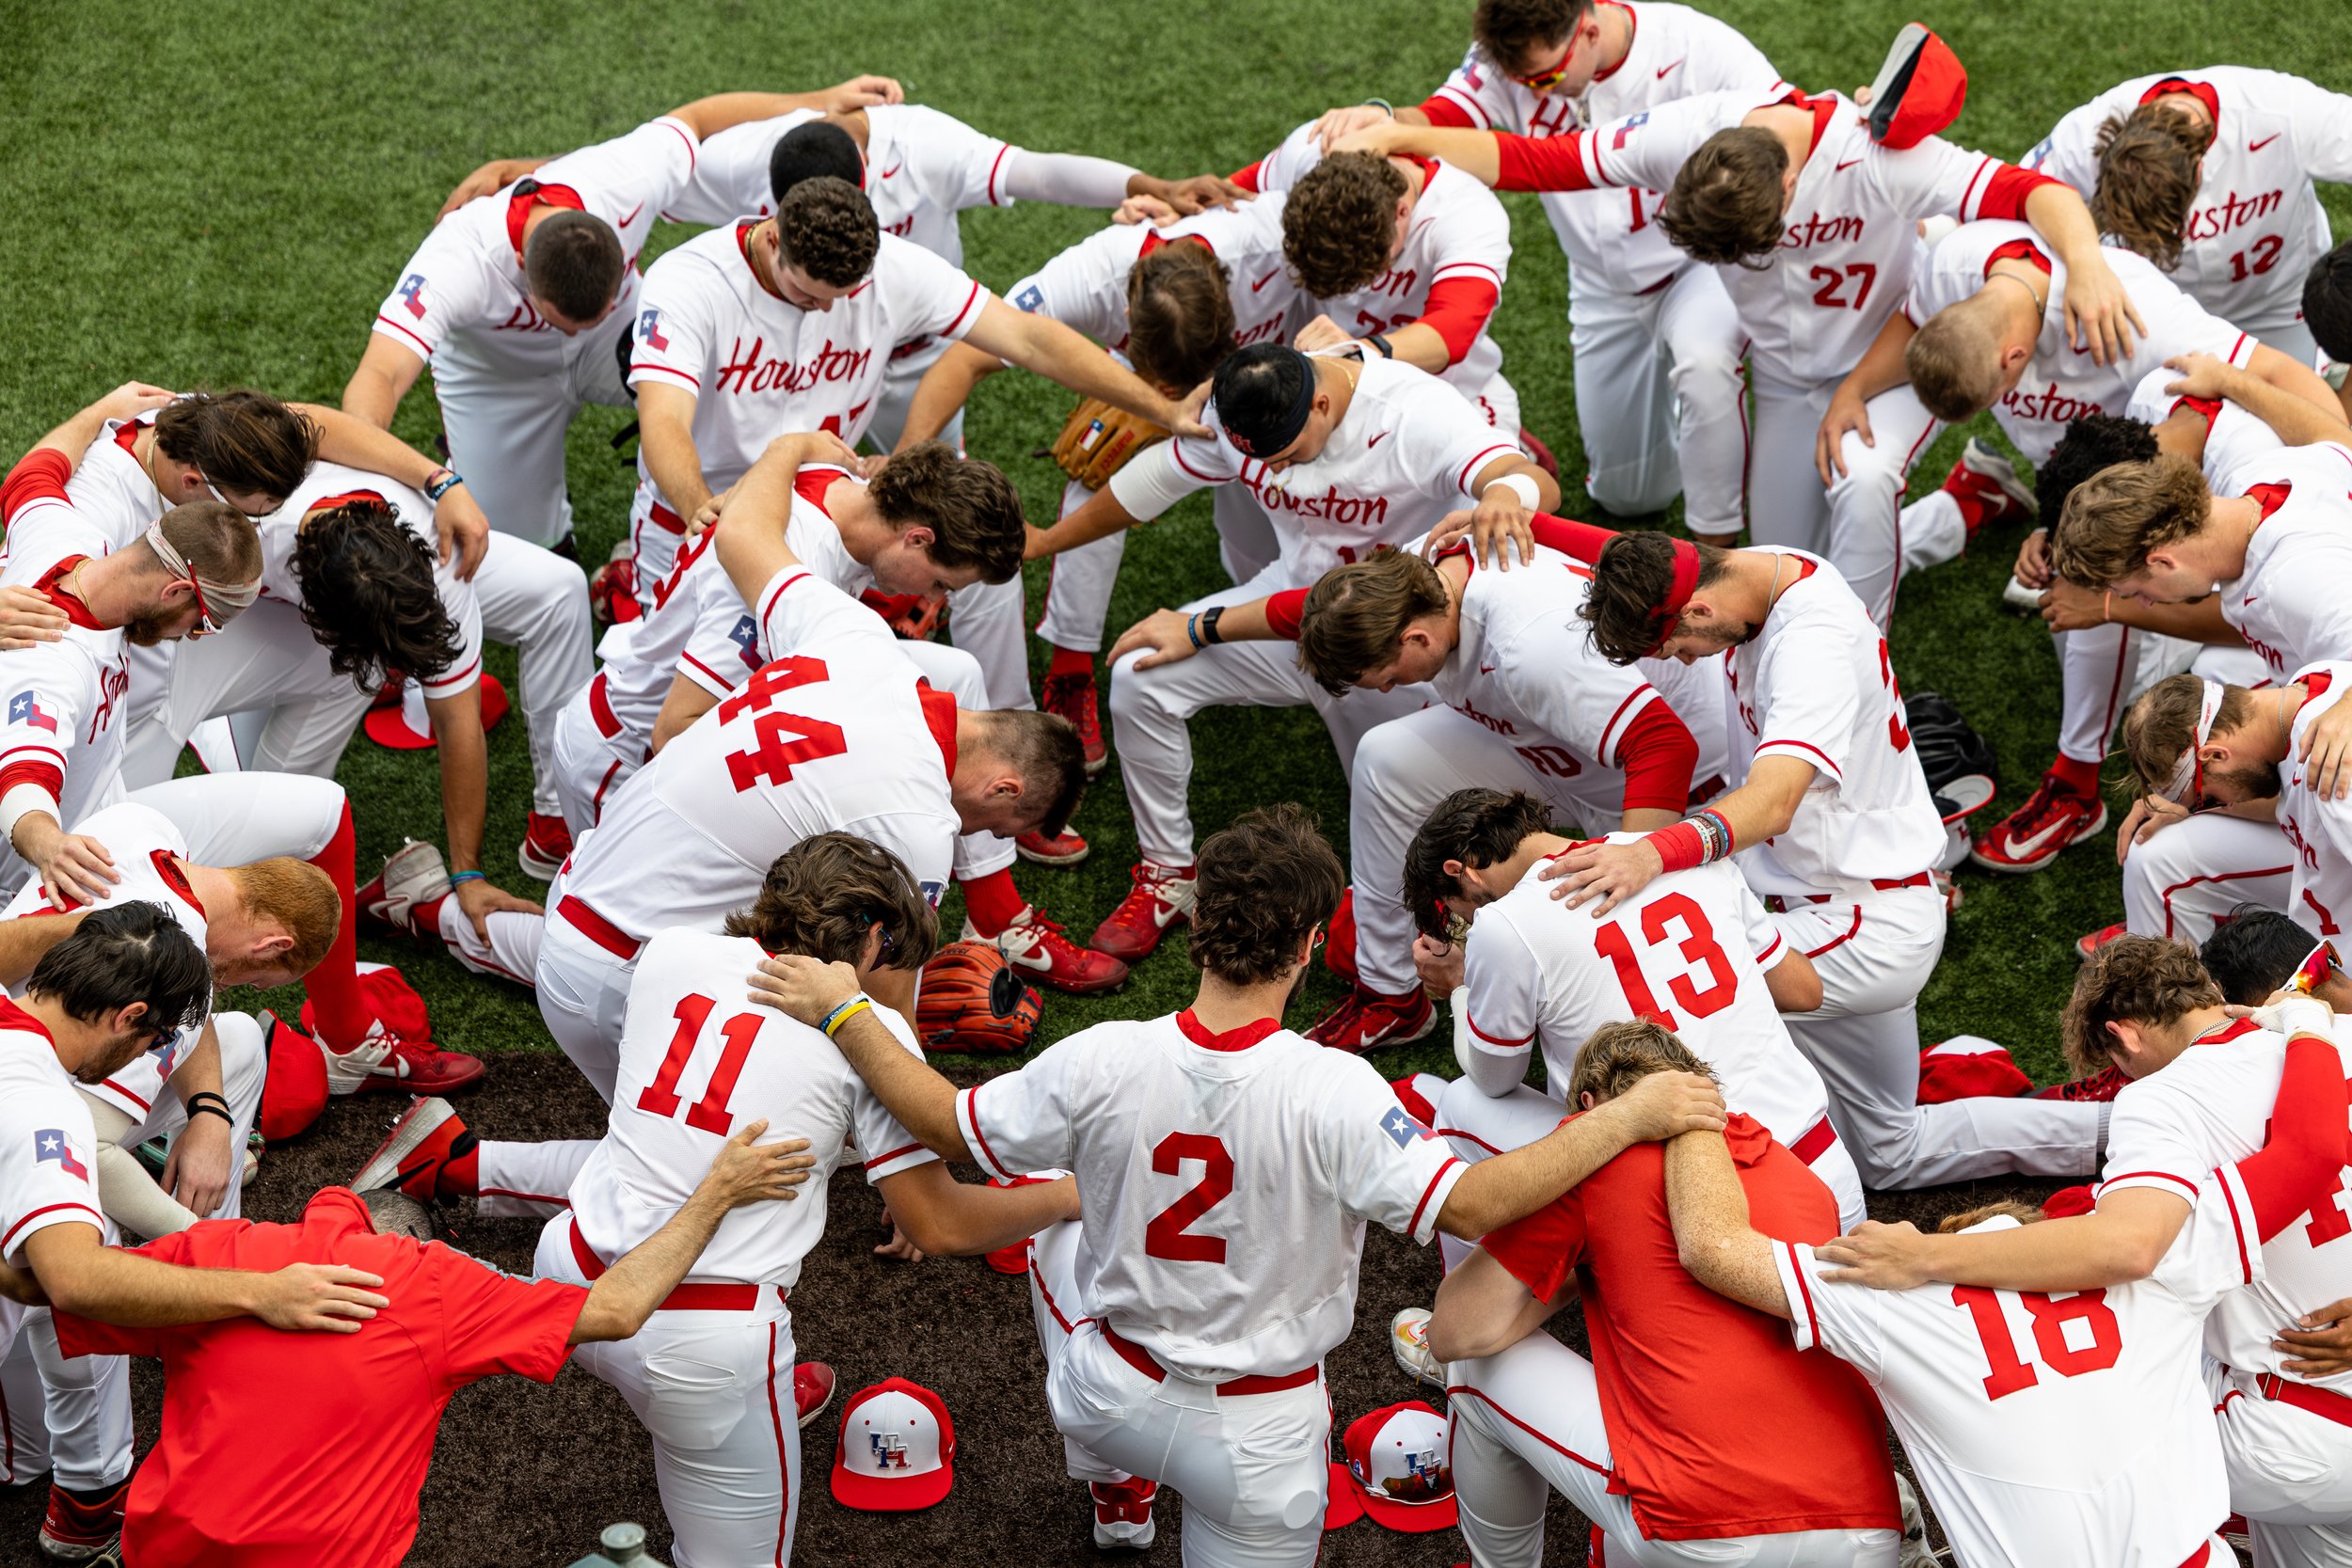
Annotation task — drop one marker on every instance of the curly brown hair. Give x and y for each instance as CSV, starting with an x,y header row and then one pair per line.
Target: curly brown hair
x,y
1355,616
241,439
2150,167
1616,1056
1630,581
1265,884
369,596
1476,827
2120,513
821,896
2142,980
1179,315
574,262
826,227
1726,202
1338,223
1510,31
971,508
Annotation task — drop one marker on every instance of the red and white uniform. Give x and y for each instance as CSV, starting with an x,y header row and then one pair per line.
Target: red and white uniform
x,y
1085,287
1654,343
1689,950
839,733
1449,275
2070,1427
1406,452
2284,602
1522,702
508,381
1848,885
708,1373
2256,226
48,1150
2318,827
2284,1438
1224,1181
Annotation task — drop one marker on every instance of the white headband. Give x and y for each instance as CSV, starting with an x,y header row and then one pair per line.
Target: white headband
x,y
222,600
2184,771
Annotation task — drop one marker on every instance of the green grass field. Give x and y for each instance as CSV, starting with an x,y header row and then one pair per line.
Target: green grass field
x,y
220,195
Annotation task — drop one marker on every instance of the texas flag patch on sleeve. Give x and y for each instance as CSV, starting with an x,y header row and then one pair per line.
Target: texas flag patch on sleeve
x,y
50,1143
1402,1128
25,708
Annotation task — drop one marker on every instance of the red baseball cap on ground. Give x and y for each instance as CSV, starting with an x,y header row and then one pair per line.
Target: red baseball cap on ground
x,y
1398,1471
395,726
1919,90
896,1451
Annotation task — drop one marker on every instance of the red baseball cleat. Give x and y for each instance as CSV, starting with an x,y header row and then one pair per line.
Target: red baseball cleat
x,y
1367,1019
2051,819
1072,697
1162,895
1122,1514
2085,946
1538,453
1987,487
1066,849
546,843
613,591
1339,947
2101,1085
427,1136
385,1062
1036,946
75,1531
812,1390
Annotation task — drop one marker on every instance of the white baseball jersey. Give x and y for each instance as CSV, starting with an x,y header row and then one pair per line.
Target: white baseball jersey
x,y
697,1063
1612,237
2211,1107
147,848
758,365
332,484
1085,287
47,1143
2062,383
2233,435
838,733
2256,226
467,278
1689,950
1815,683
1849,240
2044,1428
2288,603
2318,825
112,489
1224,1181
1405,454
1457,230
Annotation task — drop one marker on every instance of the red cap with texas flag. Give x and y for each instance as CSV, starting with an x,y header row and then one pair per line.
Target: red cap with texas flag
x,y
1397,1471
1919,90
896,1451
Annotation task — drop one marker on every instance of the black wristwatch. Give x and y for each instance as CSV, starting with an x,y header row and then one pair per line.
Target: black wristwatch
x,y
1208,625
1380,341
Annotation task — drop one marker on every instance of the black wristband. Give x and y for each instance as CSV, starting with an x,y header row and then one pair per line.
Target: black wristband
x,y
1208,625
1380,341
206,1100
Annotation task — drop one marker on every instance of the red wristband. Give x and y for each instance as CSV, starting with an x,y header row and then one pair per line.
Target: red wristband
x,y
1679,848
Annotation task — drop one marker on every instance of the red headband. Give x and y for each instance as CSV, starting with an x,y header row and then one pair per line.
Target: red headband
x,y
1686,582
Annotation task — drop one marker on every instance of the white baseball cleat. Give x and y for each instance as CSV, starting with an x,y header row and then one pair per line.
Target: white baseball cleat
x,y
1996,480
1409,1342
1913,1550
413,874
2025,600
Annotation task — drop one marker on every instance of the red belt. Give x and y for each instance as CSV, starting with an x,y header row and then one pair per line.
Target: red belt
x,y
600,708
2323,1403
1918,878
1814,1141
1779,903
686,1298
1140,1359
665,520
589,923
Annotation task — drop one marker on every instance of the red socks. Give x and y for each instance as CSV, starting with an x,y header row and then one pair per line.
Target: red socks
x,y
2078,777
338,1009
992,902
460,1175
1071,661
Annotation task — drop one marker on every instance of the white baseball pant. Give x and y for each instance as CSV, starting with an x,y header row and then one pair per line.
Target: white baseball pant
x,y
1150,709
236,818
591,765
1078,583
713,1389
583,994
1403,768
1253,1469
2290,1474
507,431
534,1180
1873,956
24,1423
1661,399
510,952
2185,878
1857,522
1527,1422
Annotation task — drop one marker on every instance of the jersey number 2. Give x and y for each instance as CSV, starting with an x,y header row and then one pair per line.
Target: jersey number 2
x,y
709,1113
2012,1371
1170,1234
785,740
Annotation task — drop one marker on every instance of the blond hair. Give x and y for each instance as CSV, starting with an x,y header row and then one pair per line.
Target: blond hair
x,y
1616,1056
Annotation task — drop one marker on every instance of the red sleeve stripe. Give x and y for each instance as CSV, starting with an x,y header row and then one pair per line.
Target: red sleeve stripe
x,y
466,675
1609,735
692,150
1803,745
1805,1293
9,1240
915,1147
1768,952
1470,469
2237,1226
382,320
1466,1137
1464,1391
646,367
1453,268
2245,345
770,607
1506,1042
725,684
977,297
2187,1187
1985,167
993,169
1453,110
141,1103
1427,1193
972,1119
1176,450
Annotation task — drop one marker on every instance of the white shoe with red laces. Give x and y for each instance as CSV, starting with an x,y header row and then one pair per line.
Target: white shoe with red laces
x,y
413,874
386,1063
1122,1514
2051,820
1162,895
1037,947
1368,1018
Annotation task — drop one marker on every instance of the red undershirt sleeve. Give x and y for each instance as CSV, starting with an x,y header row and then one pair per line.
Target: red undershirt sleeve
x,y
1658,756
2305,1154
1582,541
1459,309
1247,178
1541,163
1286,610
2005,197
1441,110
40,475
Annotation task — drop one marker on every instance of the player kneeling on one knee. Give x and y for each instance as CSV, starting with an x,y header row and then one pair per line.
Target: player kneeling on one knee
x,y
1226,1167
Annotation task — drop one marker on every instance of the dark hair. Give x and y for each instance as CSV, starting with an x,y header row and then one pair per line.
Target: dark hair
x,y
826,227
971,508
1355,616
2093,442
1338,223
1264,885
1476,827
1508,31
575,262
2149,171
368,594
1256,388
218,542
814,149
241,440
1633,578
2327,302
2253,952
1726,202
823,895
1045,751
2142,980
1179,315
125,953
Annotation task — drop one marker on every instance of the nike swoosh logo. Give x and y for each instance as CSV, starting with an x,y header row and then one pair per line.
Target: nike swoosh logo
x,y
1375,440
632,216
894,168
2025,849
1266,279
1663,68
1488,669
1847,164
2257,146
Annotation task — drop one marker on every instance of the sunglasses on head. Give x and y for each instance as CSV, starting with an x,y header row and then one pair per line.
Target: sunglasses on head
x,y
2316,966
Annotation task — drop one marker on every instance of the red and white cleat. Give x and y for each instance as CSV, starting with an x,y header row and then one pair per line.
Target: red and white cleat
x,y
1162,895
1036,946
1066,849
385,1063
1367,1019
427,1136
2052,820
2085,946
547,842
414,874
613,591
75,1531
2101,1085
1987,487
1122,1514
812,1390
1073,697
